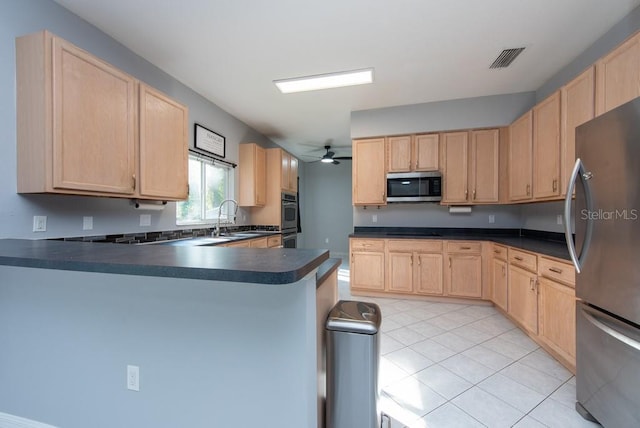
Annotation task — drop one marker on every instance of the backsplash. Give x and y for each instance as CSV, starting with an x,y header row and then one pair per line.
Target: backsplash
x,y
144,237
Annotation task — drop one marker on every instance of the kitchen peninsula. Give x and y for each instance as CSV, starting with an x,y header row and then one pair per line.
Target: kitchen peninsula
x,y
221,336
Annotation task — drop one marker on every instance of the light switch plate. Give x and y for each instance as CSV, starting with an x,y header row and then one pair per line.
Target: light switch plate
x,y
87,223
39,223
145,219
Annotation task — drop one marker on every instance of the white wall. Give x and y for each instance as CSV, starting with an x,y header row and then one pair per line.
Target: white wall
x,y
19,17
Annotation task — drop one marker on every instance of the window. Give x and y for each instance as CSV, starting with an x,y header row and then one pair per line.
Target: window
x,y
210,183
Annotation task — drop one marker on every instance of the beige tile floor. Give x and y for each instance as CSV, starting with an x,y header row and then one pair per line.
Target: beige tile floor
x,y
460,365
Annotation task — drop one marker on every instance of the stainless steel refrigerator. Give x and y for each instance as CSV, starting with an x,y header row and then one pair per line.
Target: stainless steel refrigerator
x,y
606,252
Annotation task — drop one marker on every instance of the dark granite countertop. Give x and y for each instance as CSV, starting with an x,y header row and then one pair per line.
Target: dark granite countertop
x,y
255,265
546,243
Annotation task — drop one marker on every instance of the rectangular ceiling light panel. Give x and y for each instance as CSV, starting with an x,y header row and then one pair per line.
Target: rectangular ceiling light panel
x,y
325,81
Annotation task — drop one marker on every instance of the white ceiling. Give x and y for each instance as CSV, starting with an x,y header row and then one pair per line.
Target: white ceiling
x,y
230,51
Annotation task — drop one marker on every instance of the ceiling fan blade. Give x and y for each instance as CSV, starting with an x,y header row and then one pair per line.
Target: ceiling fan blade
x,y
335,162
343,157
330,153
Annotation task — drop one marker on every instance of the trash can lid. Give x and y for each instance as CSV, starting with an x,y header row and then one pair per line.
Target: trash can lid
x,y
354,317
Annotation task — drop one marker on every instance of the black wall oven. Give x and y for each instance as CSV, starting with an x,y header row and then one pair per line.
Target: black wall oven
x,y
289,220
289,212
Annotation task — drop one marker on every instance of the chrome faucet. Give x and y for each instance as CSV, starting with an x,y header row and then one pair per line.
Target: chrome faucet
x,y
216,232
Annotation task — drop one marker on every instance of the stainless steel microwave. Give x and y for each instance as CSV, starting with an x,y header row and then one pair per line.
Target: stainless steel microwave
x,y
414,187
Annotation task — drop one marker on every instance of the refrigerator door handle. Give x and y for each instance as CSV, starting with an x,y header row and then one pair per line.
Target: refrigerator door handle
x,y
590,316
578,171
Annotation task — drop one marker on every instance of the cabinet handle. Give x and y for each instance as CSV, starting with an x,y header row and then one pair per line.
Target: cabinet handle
x,y
555,184
449,262
134,181
504,271
556,270
411,259
466,193
465,248
531,283
474,194
528,189
419,260
497,251
518,258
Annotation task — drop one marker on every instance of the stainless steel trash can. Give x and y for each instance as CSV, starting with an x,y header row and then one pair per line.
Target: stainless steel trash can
x,y
353,358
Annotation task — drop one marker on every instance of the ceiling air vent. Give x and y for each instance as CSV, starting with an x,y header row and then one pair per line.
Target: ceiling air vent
x,y
506,57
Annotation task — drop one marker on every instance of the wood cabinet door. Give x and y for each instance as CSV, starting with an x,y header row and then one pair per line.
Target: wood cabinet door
x,y
485,158
500,285
163,146
400,271
247,171
369,172
94,123
293,174
520,158
399,154
546,147
557,321
465,275
367,270
618,76
429,274
578,106
523,298
455,162
285,169
426,152
259,242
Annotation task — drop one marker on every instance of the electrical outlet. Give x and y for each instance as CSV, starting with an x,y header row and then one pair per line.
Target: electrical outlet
x,y
145,219
492,218
87,223
39,223
133,378
374,218
559,219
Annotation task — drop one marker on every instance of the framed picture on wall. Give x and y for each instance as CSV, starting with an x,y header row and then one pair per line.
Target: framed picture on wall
x,y
209,141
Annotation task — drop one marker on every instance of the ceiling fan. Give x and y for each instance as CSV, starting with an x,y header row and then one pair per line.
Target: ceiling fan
x,y
330,157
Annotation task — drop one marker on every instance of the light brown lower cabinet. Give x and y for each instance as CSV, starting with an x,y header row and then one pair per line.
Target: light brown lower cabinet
x,y
557,318
429,274
523,298
463,275
499,293
414,266
367,264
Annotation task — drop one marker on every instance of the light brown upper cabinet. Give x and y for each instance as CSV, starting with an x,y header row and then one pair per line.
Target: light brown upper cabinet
x,y
520,158
86,128
470,163
455,167
289,172
484,164
618,76
163,146
252,167
546,148
413,153
369,172
578,106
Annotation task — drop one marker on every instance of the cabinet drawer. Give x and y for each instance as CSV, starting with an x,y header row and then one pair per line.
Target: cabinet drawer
x,y
524,260
464,247
367,245
557,271
499,252
418,245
